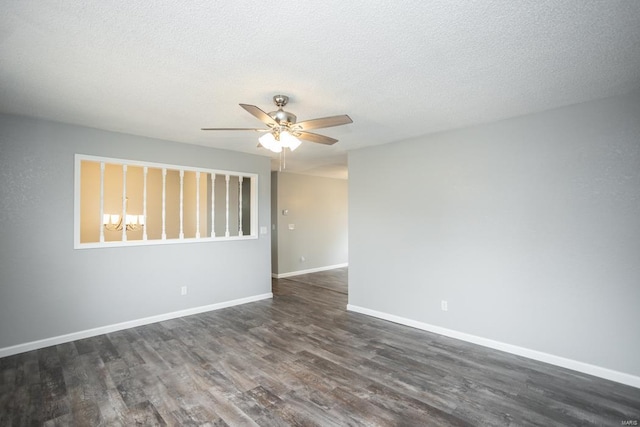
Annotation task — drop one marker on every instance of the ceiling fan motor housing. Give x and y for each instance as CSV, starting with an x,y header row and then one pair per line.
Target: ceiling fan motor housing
x,y
283,117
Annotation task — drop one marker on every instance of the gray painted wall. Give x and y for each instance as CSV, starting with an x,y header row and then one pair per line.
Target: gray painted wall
x,y
529,228
48,289
318,207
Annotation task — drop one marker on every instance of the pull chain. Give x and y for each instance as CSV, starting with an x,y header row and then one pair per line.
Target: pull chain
x,y
283,160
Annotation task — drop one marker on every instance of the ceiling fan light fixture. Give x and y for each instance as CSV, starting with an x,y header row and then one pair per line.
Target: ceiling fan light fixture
x,y
283,129
269,141
288,140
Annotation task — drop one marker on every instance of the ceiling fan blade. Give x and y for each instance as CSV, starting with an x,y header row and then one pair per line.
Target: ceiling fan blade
x,y
254,129
324,122
314,137
259,114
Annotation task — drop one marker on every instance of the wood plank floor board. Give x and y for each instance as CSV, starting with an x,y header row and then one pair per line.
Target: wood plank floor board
x,y
149,355
249,405
24,396
298,410
54,391
362,410
197,416
415,406
8,373
83,391
84,346
113,410
61,421
338,377
228,411
299,359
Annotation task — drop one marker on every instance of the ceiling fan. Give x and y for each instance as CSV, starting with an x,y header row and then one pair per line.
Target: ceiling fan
x,y
283,130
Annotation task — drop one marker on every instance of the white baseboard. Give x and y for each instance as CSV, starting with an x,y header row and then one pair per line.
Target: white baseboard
x,y
609,374
311,270
35,345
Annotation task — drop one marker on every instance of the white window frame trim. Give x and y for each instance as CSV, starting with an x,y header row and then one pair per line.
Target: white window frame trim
x,y
76,204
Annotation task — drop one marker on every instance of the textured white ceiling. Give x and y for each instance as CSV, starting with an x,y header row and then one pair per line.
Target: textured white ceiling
x,y
399,69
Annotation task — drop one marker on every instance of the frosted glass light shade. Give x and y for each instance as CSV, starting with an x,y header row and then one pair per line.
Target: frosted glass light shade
x,y
289,140
269,142
286,140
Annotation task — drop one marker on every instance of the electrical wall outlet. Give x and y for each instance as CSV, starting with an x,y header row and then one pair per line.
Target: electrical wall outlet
x,y
183,290
444,305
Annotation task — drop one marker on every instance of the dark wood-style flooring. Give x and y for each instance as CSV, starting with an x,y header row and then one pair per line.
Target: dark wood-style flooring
x,y
299,359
